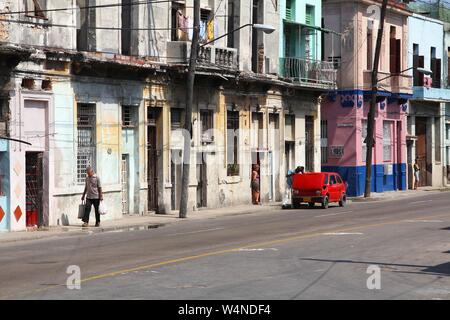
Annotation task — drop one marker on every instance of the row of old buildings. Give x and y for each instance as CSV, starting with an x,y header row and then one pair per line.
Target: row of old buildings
x,y
102,83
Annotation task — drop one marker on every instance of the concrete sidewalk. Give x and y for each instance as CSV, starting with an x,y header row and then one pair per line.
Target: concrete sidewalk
x,y
134,222
391,195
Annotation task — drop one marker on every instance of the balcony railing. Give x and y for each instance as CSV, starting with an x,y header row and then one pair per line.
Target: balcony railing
x,y
179,52
308,71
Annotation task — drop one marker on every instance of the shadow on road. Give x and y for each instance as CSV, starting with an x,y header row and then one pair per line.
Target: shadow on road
x,y
438,270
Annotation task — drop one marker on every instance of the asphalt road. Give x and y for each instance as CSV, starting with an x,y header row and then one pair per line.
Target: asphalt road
x,y
285,254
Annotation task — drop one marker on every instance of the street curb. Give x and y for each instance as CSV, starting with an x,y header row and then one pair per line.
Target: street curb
x,y
396,196
73,231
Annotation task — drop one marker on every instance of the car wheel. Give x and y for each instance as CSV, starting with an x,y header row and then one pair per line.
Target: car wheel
x,y
343,201
325,202
296,204
311,204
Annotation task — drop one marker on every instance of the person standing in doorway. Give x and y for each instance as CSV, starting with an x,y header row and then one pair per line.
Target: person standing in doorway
x,y
416,169
255,185
93,195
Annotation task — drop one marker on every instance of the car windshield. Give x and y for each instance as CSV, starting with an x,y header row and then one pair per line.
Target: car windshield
x,y
326,180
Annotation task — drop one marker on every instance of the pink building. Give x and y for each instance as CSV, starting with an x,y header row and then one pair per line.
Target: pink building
x,y
344,112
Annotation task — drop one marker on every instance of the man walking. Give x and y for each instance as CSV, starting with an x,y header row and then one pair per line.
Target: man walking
x,y
93,195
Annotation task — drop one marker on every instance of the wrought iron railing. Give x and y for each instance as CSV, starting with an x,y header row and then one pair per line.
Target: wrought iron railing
x,y
308,71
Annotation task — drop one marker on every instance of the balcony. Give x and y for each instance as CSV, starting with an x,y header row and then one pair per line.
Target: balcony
x,y
431,94
178,52
401,83
314,73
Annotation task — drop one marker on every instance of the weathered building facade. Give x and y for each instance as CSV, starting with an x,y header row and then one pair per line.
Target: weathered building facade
x,y
105,86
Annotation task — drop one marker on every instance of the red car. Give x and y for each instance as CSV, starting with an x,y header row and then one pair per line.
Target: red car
x,y
321,187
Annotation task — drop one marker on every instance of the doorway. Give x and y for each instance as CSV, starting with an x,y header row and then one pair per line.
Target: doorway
x,y
152,158
125,187
34,186
202,178
309,143
421,150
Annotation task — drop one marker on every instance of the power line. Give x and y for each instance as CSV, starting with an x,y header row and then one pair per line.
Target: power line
x,y
90,7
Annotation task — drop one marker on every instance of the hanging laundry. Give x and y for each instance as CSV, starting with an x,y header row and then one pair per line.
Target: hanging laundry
x,y
202,30
183,23
210,30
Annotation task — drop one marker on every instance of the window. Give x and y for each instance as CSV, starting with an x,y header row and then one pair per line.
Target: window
x,y
437,139
179,22
387,141
338,179
35,8
435,66
332,180
369,45
231,23
394,52
290,10
324,141
326,180
129,116
232,143
363,138
86,34
447,131
418,62
206,123
127,21
309,16
175,118
86,123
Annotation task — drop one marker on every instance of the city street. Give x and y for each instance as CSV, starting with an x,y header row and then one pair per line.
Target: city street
x,y
282,254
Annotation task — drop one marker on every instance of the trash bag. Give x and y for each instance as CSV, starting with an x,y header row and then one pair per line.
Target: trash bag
x,y
102,208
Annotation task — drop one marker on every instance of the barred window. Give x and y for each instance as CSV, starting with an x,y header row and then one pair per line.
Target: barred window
x,y
129,116
86,123
233,143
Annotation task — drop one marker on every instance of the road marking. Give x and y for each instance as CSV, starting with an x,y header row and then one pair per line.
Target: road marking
x,y
194,232
332,214
425,221
258,249
343,234
423,201
297,237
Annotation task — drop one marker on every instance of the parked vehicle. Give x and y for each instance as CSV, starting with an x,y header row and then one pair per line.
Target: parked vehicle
x,y
320,187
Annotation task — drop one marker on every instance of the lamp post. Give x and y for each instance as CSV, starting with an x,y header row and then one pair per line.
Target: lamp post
x,y
190,98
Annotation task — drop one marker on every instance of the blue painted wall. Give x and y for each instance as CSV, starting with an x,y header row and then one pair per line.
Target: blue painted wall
x,y
355,177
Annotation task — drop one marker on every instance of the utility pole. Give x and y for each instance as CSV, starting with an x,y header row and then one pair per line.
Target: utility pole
x,y
370,141
188,112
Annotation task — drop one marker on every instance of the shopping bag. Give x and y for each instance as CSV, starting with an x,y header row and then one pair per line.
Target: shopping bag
x,y
81,209
102,208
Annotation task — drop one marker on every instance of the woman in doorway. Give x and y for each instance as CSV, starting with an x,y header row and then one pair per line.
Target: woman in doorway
x,y
416,169
255,185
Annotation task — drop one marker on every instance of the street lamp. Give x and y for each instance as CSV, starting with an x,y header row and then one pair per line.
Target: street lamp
x,y
190,97
421,70
266,28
